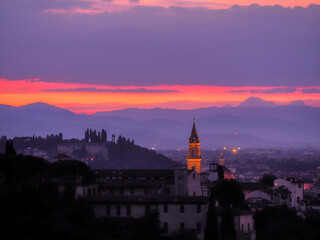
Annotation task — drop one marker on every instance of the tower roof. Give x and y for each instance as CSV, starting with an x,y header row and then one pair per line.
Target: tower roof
x,y
194,135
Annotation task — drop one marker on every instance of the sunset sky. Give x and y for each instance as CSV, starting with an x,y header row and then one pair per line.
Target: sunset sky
x,y
96,55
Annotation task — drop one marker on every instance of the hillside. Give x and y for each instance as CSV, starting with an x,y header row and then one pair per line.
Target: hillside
x,y
280,125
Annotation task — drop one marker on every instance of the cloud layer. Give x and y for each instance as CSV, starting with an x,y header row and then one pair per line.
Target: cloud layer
x,y
111,90
145,46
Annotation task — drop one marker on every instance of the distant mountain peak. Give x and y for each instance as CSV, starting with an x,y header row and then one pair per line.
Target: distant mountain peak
x,y
297,103
257,102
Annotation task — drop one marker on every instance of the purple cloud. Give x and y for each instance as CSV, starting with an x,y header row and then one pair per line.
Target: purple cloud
x,y
118,90
268,91
246,46
310,90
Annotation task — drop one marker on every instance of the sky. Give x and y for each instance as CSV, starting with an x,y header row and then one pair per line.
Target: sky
x,y
98,55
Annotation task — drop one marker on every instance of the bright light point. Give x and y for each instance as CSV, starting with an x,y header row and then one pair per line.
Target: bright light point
x,y
153,148
224,148
234,150
238,148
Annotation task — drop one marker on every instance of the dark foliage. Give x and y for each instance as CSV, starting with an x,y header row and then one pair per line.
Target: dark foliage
x,y
9,148
185,235
125,154
211,231
284,224
229,192
267,179
220,172
31,206
227,229
71,170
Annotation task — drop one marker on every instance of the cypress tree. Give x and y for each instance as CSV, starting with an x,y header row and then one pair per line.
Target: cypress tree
x,y
7,150
228,231
211,231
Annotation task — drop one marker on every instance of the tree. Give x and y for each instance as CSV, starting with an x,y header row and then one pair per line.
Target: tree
x,y
267,179
281,223
9,148
211,231
229,192
220,172
185,235
71,170
228,231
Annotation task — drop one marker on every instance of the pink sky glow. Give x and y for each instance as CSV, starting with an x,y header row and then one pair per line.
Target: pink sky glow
x,y
89,98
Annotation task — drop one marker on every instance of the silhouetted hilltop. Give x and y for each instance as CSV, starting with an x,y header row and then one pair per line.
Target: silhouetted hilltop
x,y
126,155
261,123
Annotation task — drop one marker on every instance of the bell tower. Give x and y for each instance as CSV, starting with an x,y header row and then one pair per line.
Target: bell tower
x,y
194,154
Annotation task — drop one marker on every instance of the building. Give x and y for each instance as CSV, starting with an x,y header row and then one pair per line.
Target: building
x,y
194,153
93,150
177,195
288,191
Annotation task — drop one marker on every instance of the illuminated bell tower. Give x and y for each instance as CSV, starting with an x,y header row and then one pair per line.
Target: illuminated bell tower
x,y
194,154
221,160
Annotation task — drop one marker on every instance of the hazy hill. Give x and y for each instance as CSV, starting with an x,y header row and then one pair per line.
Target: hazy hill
x,y
257,102
255,124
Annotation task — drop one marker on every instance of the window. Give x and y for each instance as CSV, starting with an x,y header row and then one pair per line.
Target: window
x,y
241,227
198,228
165,208
118,210
248,227
108,210
128,210
165,228
182,226
93,191
84,191
182,208
198,208
298,199
89,191
194,176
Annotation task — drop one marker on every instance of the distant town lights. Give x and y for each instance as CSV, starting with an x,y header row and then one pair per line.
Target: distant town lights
x,y
234,150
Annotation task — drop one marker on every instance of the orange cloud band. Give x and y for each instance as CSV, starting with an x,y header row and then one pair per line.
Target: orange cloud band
x,y
89,98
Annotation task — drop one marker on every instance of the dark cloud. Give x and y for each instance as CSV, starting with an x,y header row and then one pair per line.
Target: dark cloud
x,y
118,90
274,90
310,90
268,91
246,46
239,91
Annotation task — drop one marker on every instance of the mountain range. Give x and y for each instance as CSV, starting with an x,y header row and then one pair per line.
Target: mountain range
x,y
253,123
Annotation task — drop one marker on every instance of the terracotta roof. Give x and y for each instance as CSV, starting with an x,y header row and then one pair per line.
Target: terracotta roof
x,y
134,183
126,173
147,199
61,155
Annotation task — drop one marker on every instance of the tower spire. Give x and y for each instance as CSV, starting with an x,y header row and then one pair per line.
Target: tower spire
x,y
194,154
194,135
